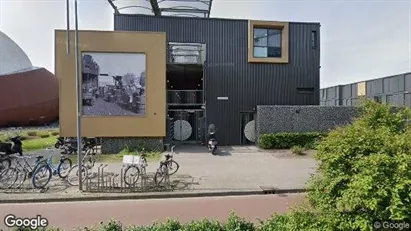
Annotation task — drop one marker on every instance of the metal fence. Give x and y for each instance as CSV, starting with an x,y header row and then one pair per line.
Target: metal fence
x,y
188,97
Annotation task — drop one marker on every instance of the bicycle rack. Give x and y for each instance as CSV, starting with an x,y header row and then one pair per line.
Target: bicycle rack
x,y
109,181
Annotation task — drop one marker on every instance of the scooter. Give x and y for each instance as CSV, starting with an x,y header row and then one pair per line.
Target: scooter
x,y
12,148
7,149
212,141
59,143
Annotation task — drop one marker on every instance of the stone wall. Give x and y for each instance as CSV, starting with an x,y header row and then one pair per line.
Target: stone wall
x,y
275,119
112,145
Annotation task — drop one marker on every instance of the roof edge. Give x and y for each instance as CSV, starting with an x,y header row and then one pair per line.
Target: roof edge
x,y
214,18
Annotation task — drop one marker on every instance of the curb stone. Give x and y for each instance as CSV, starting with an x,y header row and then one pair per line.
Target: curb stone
x,y
153,196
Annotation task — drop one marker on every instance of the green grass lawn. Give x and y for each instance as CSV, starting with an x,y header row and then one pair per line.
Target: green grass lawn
x,y
34,140
39,143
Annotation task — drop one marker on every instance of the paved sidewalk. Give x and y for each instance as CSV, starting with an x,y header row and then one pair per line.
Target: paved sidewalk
x,y
236,170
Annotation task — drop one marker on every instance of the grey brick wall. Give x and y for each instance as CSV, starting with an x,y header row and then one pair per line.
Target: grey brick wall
x,y
112,145
275,119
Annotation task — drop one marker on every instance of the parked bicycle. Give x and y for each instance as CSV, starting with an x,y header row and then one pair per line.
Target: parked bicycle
x,y
88,162
133,171
40,173
166,169
173,166
69,145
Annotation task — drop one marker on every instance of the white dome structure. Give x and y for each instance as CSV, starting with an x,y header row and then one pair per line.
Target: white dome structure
x,y
12,58
35,90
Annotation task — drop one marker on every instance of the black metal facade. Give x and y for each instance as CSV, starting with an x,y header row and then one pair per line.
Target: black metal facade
x,y
227,71
394,90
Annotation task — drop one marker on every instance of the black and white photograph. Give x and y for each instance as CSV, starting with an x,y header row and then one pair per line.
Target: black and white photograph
x,y
113,84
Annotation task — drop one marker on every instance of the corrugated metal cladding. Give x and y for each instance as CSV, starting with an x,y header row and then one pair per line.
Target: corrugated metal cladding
x,y
228,73
394,90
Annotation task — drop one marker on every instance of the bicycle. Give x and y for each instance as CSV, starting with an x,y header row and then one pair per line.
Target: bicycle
x,y
24,170
133,171
172,163
41,168
88,162
163,172
64,164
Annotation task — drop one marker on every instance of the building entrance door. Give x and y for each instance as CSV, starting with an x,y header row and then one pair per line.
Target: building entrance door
x,y
247,128
186,126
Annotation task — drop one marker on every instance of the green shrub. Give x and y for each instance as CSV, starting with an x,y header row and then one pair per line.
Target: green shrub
x,y
32,133
55,133
364,171
203,225
237,223
298,150
23,137
288,140
44,135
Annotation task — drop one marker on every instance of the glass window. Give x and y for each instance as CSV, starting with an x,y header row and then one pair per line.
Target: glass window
x,y
313,39
260,52
274,38
267,43
260,37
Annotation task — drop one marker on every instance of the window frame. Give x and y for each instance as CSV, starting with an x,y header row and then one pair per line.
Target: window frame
x,y
283,26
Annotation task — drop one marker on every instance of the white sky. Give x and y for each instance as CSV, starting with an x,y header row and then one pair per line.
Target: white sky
x,y
360,39
118,64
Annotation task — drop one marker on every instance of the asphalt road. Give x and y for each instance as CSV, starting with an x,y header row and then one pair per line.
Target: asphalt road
x,y
70,215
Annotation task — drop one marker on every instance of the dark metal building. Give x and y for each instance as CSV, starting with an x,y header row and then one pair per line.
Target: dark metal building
x,y
232,86
394,90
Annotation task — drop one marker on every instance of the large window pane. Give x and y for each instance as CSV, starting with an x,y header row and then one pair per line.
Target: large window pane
x,y
260,52
260,37
274,38
274,52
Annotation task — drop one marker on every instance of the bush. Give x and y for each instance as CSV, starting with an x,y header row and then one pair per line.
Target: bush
x,y
298,150
44,135
288,140
26,137
234,223
32,133
364,172
55,133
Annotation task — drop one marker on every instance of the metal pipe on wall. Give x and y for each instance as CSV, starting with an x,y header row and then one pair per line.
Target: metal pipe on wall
x,y
68,25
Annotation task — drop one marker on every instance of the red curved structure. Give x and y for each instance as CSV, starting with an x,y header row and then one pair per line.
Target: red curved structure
x,y
29,98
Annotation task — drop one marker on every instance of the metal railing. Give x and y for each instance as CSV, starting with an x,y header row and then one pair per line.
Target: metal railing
x,y
186,53
186,97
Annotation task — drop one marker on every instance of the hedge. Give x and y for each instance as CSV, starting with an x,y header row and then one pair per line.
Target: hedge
x,y
234,223
287,140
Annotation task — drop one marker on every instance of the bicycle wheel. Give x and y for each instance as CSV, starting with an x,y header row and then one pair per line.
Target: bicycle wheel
x,y
173,167
91,160
131,175
64,167
21,178
8,178
4,164
41,176
73,175
160,174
